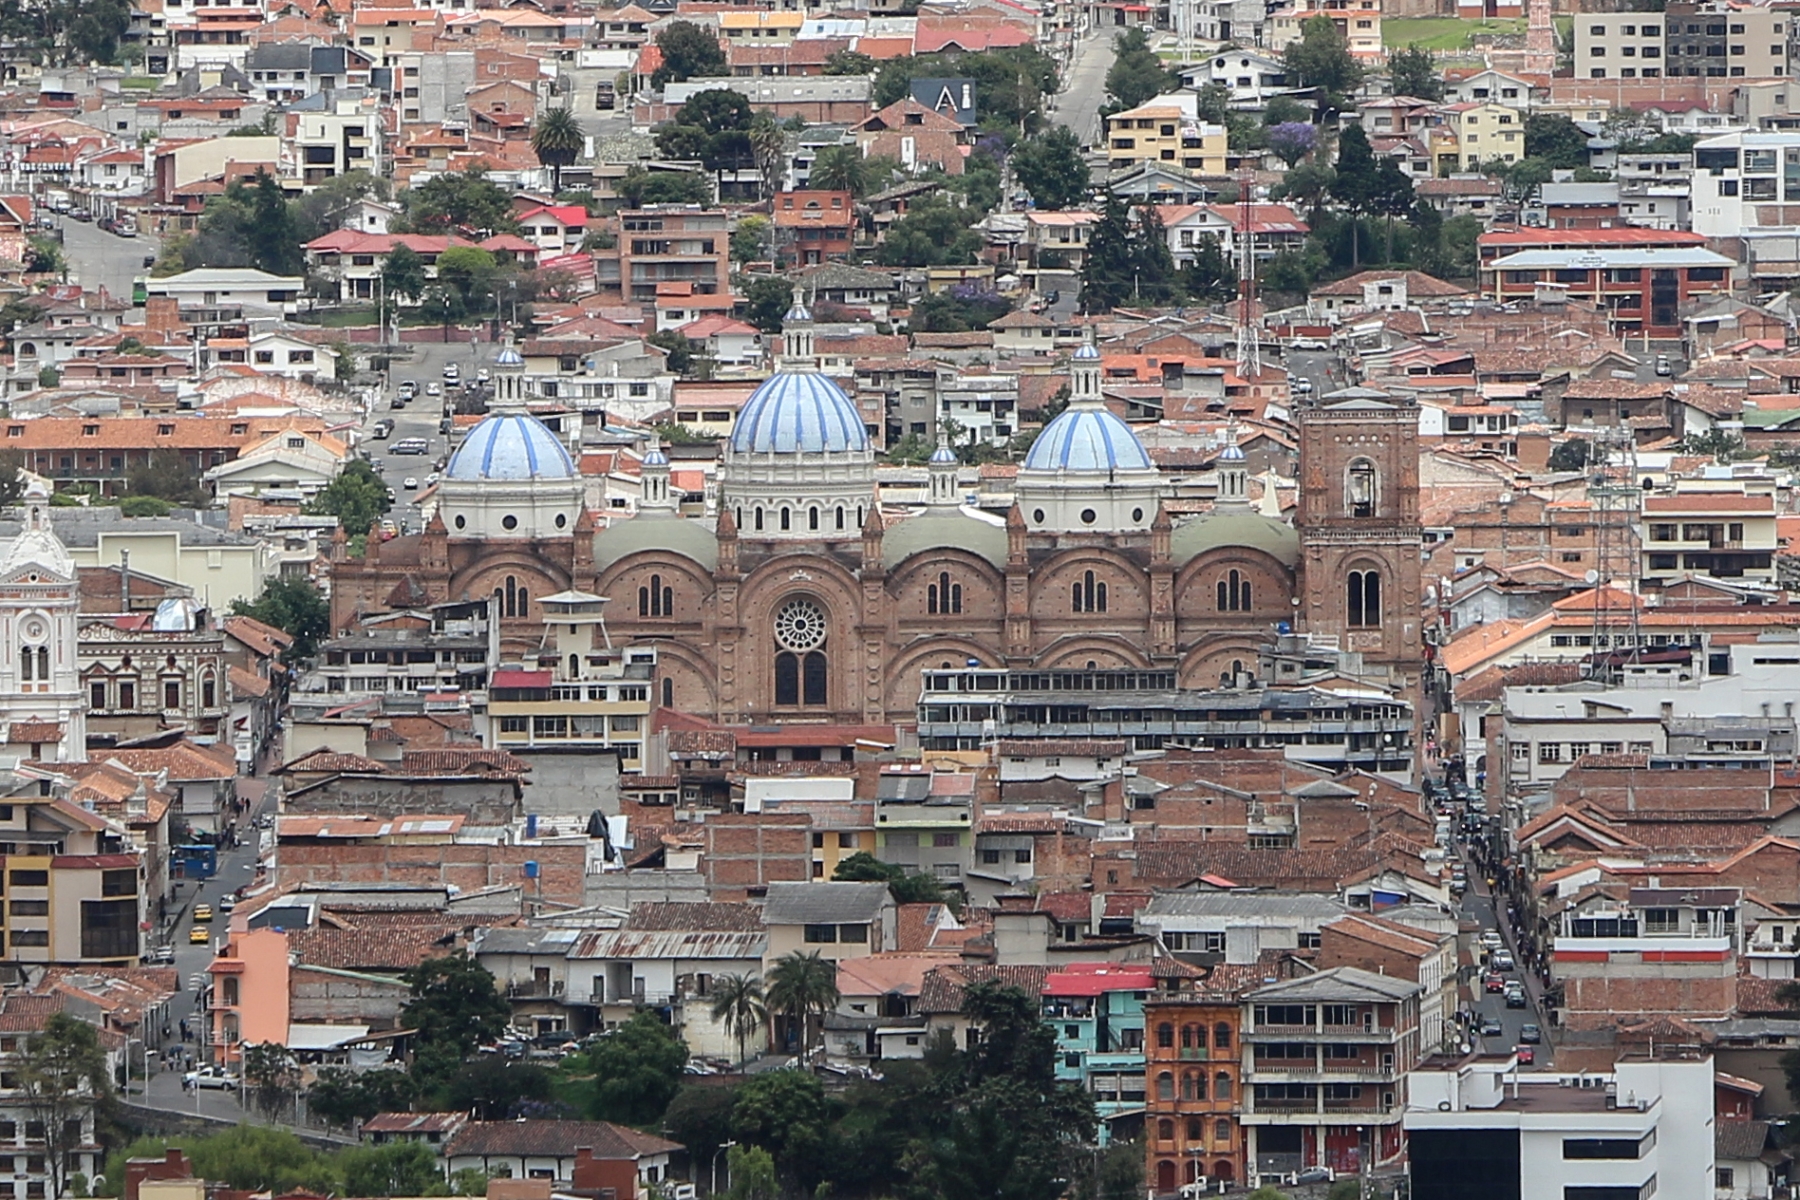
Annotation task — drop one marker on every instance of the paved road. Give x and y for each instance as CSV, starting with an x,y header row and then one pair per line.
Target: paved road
x,y
1478,906
100,259
420,418
1084,86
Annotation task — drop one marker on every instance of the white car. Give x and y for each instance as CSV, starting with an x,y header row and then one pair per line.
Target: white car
x,y
481,376
1310,344
431,479
410,484
214,1078
432,389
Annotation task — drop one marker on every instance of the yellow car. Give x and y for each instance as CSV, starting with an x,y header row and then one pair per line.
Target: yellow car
x,y
202,912
199,935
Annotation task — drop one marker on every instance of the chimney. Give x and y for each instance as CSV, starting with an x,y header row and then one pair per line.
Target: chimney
x,y
587,1175
124,581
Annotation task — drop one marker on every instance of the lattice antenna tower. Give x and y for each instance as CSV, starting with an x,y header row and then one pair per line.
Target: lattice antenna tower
x,y
1249,344
1616,496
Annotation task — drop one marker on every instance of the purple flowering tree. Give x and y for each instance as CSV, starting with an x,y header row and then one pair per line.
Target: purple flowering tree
x,y
1293,140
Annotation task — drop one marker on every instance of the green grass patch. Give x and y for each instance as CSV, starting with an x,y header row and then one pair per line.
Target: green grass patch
x,y
146,82
343,318
1443,34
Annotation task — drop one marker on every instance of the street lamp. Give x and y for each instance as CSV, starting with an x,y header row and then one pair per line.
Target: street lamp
x,y
723,1146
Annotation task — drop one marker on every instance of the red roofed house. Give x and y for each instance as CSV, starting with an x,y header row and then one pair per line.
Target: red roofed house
x,y
726,340
354,260
913,135
554,228
814,226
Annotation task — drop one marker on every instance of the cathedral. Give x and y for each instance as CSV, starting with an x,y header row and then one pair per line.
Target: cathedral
x,y
800,597
41,701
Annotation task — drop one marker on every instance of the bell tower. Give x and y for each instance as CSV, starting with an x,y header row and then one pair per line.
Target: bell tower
x,y
1359,530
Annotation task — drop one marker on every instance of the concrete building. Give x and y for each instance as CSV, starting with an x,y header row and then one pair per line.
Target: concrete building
x,y
1626,45
1165,130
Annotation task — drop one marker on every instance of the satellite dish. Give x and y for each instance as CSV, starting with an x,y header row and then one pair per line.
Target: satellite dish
x,y
1592,576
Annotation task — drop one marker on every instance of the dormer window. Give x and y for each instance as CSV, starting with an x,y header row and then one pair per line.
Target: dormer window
x,y
165,431
90,431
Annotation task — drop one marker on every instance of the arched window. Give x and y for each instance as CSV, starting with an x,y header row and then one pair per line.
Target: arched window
x,y
812,679
657,600
1221,1086
1222,1036
840,516
1088,594
574,666
1222,1135
668,692
785,523
1234,592
1193,1085
738,516
44,663
1363,598
1191,1036
787,678
1196,1129
801,668
812,518
859,516
1165,1089
27,663
1165,1130
1195,1169
524,603
759,520
1165,1175
1362,488
509,607
943,596
1165,1036
209,692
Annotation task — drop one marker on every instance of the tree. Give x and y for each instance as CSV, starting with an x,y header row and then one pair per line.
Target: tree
x,y
1053,169
639,187
45,257
1557,140
738,1005
1209,275
273,245
1293,141
403,273
457,202
396,1169
496,1088
142,506
469,273
862,867
1355,186
455,1007
247,1157
1137,75
343,1097
766,302
637,1070
785,1113
688,52
751,1170
1391,196
768,143
801,985
168,476
933,233
325,208
1309,184
841,169
849,62
270,1076
357,498
61,1078
750,240
557,140
294,606
1106,272
959,309
12,479
682,351
1413,72
1321,59
700,1118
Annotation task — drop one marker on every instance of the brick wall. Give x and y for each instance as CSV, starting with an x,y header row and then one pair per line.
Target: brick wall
x,y
469,866
753,851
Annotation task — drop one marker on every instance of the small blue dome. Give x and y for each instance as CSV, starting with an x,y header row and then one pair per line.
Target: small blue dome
x,y
508,357
798,412
1232,452
656,458
1087,439
1087,352
510,446
943,456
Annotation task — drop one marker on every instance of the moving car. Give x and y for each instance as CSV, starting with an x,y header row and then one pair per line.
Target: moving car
x,y
211,1077
1315,1175
227,903
410,484
432,389
409,388
1494,983
1490,940
199,935
1515,998
1526,1055
1310,344
202,912
1491,1027
1501,960
1530,1034
160,956
1300,385
1662,365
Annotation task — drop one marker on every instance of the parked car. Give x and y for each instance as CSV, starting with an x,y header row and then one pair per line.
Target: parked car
x,y
160,956
1315,1175
215,1078
1530,1034
1662,365
1311,344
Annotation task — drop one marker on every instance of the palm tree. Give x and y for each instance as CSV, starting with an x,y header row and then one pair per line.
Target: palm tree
x,y
840,169
769,144
557,141
800,985
738,1002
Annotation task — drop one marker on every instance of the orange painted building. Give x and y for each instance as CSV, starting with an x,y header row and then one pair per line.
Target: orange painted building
x,y
1193,1090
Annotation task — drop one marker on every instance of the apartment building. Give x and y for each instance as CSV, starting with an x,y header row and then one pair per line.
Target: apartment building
x,y
672,243
1745,181
1192,1054
1165,130
1643,278
1325,1062
439,647
73,885
1713,40
1469,134
1096,1011
578,693
328,144
1627,45
924,821
1479,1129
1721,532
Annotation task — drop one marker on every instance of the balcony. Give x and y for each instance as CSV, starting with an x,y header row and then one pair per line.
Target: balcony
x,y
534,990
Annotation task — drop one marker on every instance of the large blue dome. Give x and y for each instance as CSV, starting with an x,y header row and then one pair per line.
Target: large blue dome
x,y
1087,439
510,446
798,412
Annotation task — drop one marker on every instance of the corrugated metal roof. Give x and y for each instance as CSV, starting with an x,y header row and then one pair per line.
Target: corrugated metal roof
x,y
641,944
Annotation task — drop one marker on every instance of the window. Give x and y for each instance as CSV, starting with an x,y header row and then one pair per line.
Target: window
x,y
1234,592
1361,488
944,841
820,935
127,694
96,695
171,693
1165,1090
30,908
1724,1178
21,879
656,599
943,597
1363,597
1221,1086
1088,595
1222,1034
1608,1148
1165,1036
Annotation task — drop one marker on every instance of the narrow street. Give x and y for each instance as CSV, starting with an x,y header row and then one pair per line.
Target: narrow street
x,y
98,259
1479,906
1084,86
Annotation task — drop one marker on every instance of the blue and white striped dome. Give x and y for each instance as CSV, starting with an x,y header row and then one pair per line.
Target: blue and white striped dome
x,y
510,446
1084,438
798,412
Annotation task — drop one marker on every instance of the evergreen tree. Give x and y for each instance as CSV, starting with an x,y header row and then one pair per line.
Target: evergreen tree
x,y
1052,169
1209,275
1137,75
1413,72
1156,279
1106,272
273,246
1322,59
1557,140
688,52
1355,185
